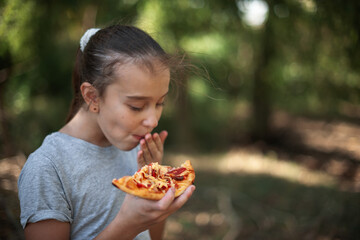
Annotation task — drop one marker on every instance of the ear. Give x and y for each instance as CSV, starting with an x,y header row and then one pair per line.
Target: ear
x,y
90,95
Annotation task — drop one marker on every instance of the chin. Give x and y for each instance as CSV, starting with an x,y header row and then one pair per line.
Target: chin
x,y
126,147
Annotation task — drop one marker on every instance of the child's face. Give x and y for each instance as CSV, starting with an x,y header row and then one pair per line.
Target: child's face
x,y
132,105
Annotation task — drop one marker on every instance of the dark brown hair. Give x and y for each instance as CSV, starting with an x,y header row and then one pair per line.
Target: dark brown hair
x,y
106,49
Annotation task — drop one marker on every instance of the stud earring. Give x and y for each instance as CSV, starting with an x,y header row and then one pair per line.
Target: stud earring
x,y
94,109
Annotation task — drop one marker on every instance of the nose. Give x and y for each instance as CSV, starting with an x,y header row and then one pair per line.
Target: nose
x,y
151,120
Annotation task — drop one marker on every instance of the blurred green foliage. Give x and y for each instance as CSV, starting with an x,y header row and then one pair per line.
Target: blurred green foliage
x,y
265,207
303,59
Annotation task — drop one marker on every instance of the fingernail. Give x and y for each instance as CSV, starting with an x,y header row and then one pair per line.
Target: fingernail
x,y
148,136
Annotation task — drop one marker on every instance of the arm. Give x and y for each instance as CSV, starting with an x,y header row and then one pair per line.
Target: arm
x,y
157,231
137,215
47,229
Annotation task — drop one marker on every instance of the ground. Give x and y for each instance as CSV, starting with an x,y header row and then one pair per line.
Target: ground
x,y
303,185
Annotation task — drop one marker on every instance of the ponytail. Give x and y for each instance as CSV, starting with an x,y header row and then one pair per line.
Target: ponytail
x,y
77,100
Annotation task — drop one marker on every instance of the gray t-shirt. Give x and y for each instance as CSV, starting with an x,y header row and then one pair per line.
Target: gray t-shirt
x,y
69,180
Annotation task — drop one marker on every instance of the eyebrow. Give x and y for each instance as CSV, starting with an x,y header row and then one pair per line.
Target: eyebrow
x,y
143,97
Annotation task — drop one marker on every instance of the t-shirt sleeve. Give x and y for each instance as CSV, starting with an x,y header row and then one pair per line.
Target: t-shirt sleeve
x,y
41,192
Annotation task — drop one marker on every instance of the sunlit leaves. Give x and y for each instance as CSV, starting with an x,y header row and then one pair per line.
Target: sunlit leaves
x,y
212,44
16,27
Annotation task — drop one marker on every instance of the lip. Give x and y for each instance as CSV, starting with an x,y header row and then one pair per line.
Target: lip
x,y
138,137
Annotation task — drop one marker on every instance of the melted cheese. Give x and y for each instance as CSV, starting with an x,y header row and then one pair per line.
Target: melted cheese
x,y
161,182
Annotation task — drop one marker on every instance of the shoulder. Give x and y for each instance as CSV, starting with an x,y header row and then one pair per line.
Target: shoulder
x,y
44,153
40,187
43,160
54,148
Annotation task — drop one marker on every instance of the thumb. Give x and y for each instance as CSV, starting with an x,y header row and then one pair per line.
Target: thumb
x,y
163,135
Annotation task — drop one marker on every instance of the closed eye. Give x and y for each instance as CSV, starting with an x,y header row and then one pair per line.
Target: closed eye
x,y
136,109
160,104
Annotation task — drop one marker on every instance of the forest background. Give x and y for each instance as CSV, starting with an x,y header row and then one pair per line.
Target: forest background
x,y
270,116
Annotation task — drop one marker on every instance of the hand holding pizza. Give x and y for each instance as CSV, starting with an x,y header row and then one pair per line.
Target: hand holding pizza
x,y
154,192
138,214
152,148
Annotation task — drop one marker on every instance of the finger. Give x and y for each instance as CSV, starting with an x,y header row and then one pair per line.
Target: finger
x,y
140,159
167,200
145,149
183,198
159,144
163,136
153,150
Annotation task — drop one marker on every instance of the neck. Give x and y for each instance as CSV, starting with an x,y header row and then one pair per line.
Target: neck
x,y
84,126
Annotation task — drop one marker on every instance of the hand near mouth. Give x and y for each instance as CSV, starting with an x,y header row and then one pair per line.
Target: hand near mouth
x,y
151,148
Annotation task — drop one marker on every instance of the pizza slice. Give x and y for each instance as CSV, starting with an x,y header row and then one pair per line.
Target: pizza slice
x,y
154,180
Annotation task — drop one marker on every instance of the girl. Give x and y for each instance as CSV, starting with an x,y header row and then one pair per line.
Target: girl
x,y
121,79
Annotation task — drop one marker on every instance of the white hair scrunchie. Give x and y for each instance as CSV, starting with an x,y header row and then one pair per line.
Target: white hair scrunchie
x,y
86,37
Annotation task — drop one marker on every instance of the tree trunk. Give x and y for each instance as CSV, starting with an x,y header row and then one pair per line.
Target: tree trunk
x,y
7,147
262,86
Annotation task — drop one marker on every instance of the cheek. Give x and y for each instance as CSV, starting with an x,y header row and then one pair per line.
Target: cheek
x,y
114,120
126,120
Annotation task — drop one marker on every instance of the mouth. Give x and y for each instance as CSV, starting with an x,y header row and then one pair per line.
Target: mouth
x,y
138,137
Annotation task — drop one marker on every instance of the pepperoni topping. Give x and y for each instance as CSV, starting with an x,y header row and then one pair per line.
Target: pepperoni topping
x,y
140,185
176,171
